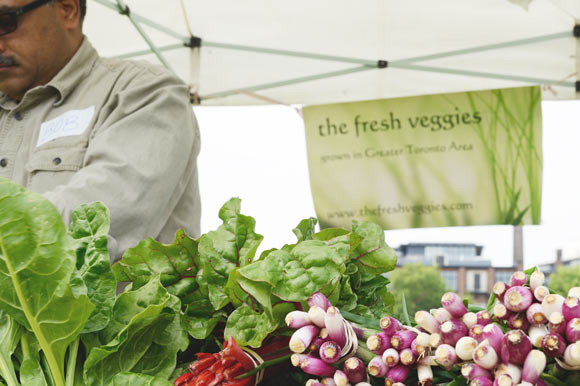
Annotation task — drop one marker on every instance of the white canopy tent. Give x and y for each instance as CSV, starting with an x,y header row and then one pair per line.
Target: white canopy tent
x,y
326,51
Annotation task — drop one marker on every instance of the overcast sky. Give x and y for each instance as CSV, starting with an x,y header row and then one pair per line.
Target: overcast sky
x,y
258,153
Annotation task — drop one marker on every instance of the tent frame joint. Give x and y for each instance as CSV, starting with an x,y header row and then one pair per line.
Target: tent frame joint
x,y
125,10
382,64
194,42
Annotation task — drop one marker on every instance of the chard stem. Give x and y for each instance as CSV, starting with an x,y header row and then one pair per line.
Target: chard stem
x,y
73,351
264,365
7,371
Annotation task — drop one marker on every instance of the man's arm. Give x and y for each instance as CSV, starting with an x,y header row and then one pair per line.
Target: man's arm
x,y
138,162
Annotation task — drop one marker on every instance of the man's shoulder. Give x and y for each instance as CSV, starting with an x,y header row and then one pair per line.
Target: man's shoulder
x,y
123,70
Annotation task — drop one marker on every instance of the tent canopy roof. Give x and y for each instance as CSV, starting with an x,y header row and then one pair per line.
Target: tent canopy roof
x,y
327,51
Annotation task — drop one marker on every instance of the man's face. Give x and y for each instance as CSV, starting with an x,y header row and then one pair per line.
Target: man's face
x,y
33,54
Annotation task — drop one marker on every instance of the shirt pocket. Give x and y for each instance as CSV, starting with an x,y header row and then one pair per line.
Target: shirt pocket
x,y
54,164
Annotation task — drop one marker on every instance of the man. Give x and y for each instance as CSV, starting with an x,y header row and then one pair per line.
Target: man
x,y
78,128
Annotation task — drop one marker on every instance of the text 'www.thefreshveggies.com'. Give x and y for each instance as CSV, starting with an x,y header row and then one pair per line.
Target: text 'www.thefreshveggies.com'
x,y
417,209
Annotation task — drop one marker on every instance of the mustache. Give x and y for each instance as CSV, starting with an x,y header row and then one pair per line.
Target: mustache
x,y
7,60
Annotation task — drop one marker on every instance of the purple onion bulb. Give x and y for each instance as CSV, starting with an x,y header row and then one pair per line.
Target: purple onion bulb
x,y
329,352
485,356
535,314
452,331
515,347
465,348
320,300
391,357
471,371
379,342
297,319
571,308
481,381
402,339
377,368
536,334
573,330
421,344
501,312
572,354
518,321
406,357
390,325
435,340
340,378
476,332
425,320
442,315
499,289
314,366
534,365
541,292
512,370
317,316
518,298
425,375
355,370
494,335
445,355
469,319
518,278
453,304
335,326
483,318
503,380
396,374
553,345
301,338
557,323
552,303
574,292
537,278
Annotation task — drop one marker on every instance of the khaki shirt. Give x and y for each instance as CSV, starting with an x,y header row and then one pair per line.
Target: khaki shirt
x,y
107,130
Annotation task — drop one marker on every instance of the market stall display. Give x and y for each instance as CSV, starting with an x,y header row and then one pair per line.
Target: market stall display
x,y
211,312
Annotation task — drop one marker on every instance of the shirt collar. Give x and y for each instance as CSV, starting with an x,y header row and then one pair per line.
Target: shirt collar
x,y
64,82
74,71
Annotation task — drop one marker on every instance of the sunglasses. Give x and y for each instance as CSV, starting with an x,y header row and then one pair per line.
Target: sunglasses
x,y
9,19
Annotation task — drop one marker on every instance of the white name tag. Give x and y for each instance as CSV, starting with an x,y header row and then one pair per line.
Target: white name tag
x,y
73,122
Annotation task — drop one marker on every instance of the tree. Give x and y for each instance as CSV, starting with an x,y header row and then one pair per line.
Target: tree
x,y
423,287
564,279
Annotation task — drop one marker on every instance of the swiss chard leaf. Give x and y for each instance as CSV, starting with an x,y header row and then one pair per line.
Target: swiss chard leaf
x,y
232,245
369,249
125,378
305,229
31,372
10,333
249,328
89,228
176,264
311,266
144,334
37,261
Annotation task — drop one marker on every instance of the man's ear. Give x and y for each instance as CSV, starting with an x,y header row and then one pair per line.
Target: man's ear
x,y
70,11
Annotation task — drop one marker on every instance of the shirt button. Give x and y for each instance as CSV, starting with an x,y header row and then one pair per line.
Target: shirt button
x,y
3,162
18,116
57,161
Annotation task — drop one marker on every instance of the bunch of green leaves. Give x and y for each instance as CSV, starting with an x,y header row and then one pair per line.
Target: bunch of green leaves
x,y
60,320
225,290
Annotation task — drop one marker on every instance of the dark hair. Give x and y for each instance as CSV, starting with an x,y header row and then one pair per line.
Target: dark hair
x,y
83,4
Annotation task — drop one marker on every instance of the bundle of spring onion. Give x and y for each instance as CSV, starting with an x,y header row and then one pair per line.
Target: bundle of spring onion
x,y
527,336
